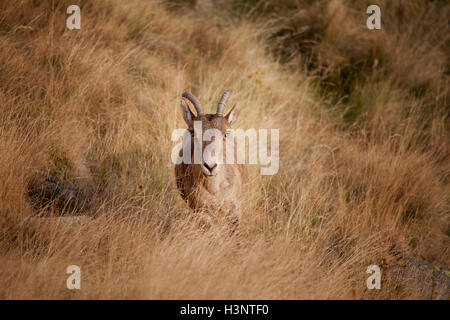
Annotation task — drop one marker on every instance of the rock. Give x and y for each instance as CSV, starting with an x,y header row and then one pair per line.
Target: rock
x,y
45,189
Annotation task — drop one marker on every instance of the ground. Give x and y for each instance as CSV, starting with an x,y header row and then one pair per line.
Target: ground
x,y
364,149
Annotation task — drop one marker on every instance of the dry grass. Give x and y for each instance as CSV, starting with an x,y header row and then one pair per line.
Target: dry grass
x,y
364,148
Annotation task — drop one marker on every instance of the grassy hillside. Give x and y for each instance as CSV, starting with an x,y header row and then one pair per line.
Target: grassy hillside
x,y
364,148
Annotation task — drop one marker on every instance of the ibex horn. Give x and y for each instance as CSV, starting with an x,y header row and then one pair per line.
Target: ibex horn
x,y
222,101
195,102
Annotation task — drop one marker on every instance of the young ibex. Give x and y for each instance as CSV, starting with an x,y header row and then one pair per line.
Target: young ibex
x,y
212,186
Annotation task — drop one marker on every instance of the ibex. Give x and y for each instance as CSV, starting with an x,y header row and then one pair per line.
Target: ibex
x,y
213,186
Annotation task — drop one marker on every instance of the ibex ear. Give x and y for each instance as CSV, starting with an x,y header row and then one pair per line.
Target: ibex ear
x,y
232,115
188,116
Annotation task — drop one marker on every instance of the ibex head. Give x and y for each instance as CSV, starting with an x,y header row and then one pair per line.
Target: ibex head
x,y
210,165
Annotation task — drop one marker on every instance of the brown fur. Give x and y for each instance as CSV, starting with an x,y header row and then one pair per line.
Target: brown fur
x,y
219,196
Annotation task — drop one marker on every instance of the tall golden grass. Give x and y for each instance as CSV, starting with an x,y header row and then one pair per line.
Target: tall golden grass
x,y
364,148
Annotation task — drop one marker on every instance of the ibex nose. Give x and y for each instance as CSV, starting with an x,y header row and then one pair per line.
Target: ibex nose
x,y
210,167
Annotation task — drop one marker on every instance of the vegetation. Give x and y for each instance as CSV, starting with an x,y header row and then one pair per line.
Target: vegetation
x,y
364,147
